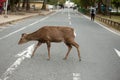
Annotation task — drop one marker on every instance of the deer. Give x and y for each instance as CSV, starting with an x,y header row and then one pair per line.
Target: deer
x,y
48,34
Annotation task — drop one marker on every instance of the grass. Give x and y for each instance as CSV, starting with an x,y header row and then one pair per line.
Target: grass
x,y
113,17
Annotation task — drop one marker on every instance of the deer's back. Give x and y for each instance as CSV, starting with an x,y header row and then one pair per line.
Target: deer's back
x,y
54,33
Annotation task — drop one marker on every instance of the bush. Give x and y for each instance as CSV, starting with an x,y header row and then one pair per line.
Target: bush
x,y
115,13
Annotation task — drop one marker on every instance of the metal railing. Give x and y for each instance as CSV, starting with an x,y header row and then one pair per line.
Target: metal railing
x,y
114,24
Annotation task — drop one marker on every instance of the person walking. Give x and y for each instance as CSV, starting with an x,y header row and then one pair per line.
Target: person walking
x,y
92,13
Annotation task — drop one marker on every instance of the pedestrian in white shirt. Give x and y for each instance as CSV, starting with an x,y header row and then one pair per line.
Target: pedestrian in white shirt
x,y
92,13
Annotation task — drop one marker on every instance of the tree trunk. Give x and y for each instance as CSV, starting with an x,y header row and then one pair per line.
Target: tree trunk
x,y
19,5
44,5
27,5
100,2
12,5
23,4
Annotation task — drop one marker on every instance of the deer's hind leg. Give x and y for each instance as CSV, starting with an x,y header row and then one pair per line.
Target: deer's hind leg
x,y
69,49
77,47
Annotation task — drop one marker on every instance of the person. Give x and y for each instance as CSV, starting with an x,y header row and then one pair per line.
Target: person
x,y
1,8
93,13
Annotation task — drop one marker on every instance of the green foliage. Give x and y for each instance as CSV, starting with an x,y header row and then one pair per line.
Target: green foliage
x,y
116,4
82,3
76,2
52,2
55,2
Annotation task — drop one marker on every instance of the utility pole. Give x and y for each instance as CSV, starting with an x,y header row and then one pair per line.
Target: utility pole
x,y
6,5
107,3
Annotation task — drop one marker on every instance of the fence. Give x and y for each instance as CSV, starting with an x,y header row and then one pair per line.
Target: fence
x,y
114,24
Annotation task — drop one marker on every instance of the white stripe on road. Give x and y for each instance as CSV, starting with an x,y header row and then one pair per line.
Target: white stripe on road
x,y
23,28
70,23
22,56
69,18
108,29
118,52
103,26
13,33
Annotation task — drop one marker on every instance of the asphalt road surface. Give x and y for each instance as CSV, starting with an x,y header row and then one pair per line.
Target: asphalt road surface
x,y
99,47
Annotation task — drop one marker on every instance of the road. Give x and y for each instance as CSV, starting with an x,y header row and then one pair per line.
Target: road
x,y
99,47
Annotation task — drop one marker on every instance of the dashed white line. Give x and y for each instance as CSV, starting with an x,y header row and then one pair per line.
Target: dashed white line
x,y
22,56
76,76
118,52
70,23
69,18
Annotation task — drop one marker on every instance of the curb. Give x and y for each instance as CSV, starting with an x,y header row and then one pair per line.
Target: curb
x,y
9,22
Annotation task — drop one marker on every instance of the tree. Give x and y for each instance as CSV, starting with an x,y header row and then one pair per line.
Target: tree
x,y
99,3
76,2
17,4
52,2
26,5
12,5
56,2
82,3
44,5
61,1
116,4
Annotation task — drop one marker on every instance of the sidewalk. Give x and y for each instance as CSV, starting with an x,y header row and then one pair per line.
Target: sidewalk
x,y
12,18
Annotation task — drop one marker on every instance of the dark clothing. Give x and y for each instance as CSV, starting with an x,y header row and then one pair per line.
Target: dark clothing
x,y
92,14
92,17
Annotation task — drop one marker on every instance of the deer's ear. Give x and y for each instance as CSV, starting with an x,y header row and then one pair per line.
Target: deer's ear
x,y
24,34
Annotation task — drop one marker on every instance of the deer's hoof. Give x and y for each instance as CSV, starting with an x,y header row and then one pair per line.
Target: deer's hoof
x,y
31,56
48,59
80,59
64,58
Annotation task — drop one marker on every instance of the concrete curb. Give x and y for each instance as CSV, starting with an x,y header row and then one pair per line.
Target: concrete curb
x,y
18,19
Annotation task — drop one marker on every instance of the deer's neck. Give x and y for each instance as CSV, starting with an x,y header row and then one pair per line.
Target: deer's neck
x,y
32,36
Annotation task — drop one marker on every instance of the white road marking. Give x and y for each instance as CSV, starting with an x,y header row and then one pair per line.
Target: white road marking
x,y
108,29
70,23
76,76
118,52
69,17
21,57
13,33
103,26
25,27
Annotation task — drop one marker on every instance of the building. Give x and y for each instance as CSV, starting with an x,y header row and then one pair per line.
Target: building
x,y
37,4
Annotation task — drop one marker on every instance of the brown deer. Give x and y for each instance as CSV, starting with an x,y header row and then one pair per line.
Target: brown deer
x,y
48,34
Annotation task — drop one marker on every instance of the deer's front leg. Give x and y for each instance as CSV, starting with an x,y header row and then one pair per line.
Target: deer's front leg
x,y
38,44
